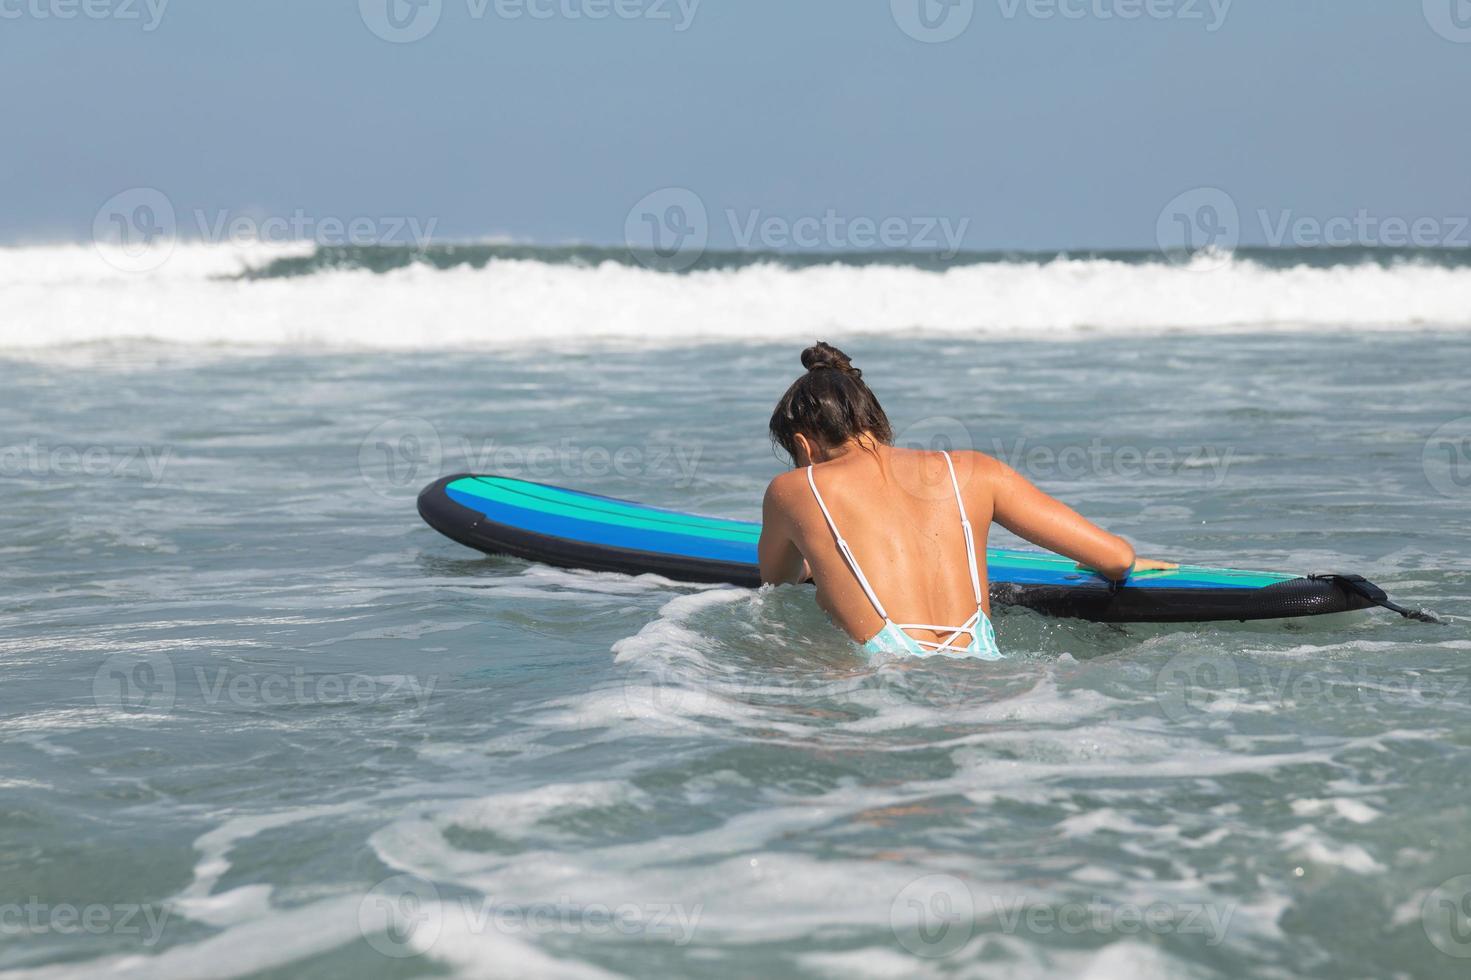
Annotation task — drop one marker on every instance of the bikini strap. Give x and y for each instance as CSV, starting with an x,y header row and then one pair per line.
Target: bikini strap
x,y
970,538
847,552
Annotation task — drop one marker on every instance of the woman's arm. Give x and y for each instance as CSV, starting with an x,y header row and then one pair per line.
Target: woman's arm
x,y
1029,513
781,562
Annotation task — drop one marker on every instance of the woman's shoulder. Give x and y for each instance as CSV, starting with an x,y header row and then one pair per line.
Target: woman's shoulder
x,y
979,462
977,472
786,487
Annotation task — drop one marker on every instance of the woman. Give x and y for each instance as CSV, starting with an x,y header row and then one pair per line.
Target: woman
x,y
917,520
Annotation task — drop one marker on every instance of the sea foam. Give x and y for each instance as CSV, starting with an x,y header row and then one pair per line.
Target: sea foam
x,y
204,295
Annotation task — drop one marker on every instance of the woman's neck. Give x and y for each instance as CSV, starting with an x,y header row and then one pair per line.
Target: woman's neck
x,y
862,443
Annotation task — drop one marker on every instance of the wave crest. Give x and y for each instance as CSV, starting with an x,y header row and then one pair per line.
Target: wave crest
x,y
291,295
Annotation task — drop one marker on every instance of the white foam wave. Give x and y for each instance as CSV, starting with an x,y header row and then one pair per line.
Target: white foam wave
x,y
65,295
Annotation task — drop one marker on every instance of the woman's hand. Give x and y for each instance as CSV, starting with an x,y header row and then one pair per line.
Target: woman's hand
x,y
1140,565
1151,565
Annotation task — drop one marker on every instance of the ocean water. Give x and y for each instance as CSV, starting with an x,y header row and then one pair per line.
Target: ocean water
x,y
259,721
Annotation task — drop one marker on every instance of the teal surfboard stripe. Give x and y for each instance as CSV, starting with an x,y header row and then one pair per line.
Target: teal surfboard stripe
x,y
595,510
694,534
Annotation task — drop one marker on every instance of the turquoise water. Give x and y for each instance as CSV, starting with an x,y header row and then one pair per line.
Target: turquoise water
x,y
260,721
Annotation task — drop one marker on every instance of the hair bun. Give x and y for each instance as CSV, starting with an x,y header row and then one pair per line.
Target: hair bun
x,y
824,355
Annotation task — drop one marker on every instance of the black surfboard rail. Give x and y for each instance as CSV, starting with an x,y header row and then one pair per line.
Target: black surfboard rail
x,y
460,523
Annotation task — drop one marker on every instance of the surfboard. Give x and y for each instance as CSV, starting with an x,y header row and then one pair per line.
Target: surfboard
x,y
572,529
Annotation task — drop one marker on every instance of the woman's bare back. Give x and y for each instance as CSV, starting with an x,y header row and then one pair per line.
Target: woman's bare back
x,y
897,510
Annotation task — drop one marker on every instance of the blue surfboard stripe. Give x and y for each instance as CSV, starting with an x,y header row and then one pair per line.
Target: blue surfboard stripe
x,y
699,546
609,535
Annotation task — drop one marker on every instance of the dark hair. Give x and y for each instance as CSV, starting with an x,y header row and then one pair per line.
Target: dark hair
x,y
830,404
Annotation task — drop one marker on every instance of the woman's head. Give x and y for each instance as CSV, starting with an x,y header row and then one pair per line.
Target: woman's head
x,y
829,405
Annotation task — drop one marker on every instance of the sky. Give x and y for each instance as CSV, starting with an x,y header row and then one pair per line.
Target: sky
x,y
1004,124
